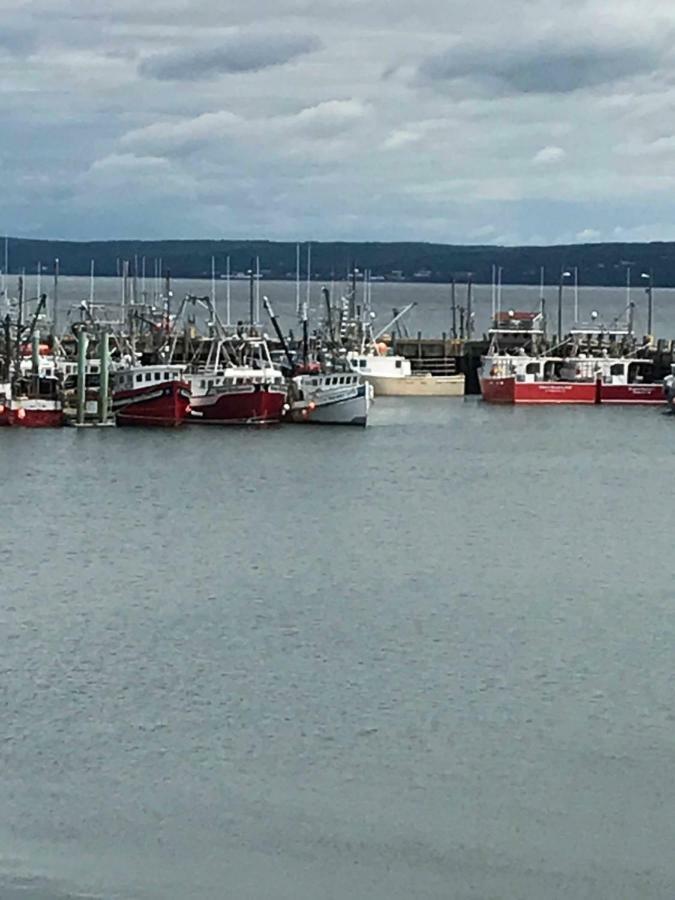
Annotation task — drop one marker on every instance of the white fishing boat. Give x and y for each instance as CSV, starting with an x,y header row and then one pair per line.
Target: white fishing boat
x,y
338,398
392,376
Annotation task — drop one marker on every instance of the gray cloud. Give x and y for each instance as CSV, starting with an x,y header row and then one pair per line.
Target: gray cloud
x,y
538,69
17,39
250,52
473,133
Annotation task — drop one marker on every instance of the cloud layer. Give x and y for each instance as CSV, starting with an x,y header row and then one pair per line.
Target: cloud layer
x,y
468,120
233,53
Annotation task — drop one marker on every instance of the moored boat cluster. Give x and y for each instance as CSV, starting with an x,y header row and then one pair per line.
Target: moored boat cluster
x,y
594,364
159,369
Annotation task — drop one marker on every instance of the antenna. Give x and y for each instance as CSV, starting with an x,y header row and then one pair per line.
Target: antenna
x,y
229,294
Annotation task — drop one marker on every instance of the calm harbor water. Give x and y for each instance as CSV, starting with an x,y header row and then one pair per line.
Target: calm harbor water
x,y
432,659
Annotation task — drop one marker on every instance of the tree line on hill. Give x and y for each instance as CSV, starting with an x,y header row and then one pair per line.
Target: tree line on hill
x,y
597,264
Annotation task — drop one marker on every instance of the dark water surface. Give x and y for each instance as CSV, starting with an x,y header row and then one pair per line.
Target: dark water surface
x,y
431,659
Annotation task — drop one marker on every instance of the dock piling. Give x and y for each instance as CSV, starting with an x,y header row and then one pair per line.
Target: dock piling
x,y
82,342
104,357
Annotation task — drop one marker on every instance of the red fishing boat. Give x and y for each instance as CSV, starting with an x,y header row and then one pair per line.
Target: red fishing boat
x,y
239,385
151,395
517,368
509,378
620,380
32,402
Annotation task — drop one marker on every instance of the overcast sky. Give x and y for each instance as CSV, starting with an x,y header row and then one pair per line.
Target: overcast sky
x,y
468,121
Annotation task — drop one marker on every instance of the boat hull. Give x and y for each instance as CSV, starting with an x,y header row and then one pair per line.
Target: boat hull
x,y
32,414
632,393
340,411
164,405
256,404
417,385
508,390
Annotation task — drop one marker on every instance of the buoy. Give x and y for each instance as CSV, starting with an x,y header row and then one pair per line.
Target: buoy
x,y
312,405
21,413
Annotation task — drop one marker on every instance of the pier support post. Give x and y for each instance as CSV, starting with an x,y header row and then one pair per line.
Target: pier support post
x,y
103,391
82,342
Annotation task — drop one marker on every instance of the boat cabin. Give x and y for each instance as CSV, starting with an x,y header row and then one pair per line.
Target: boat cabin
x,y
144,376
625,371
517,322
524,368
379,366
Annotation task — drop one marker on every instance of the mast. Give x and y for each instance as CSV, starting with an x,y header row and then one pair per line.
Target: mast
x,y
19,328
279,333
257,290
169,295
305,334
134,283
213,281
56,298
469,307
576,294
91,282
7,361
453,306
297,281
541,282
500,269
309,278
229,296
329,313
251,275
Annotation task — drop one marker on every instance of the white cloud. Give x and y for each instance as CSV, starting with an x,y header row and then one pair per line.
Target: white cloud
x,y
588,235
402,137
548,155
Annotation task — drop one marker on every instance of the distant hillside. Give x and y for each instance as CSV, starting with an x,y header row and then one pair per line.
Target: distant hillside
x,y
599,264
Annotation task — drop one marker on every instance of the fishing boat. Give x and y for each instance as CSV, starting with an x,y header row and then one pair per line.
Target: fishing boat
x,y
238,385
622,380
520,378
611,356
392,376
335,398
32,401
157,395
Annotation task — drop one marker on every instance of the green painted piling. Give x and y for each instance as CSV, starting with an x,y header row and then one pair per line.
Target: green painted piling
x,y
82,342
104,357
